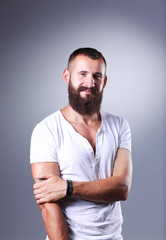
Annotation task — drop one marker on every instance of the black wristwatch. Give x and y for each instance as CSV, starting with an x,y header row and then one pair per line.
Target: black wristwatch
x,y
69,189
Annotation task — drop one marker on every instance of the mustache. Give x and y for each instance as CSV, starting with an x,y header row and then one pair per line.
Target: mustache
x,y
92,89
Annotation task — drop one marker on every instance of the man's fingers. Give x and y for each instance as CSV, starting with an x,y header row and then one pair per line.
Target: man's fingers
x,y
37,185
38,196
41,200
38,191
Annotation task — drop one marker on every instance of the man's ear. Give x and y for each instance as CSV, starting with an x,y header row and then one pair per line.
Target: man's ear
x,y
66,76
105,81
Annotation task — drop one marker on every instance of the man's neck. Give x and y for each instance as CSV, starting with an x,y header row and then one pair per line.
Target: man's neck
x,y
72,116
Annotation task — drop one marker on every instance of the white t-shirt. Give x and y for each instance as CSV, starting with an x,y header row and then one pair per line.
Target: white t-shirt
x,y
55,140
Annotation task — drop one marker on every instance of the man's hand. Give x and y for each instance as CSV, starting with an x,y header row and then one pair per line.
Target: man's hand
x,y
49,189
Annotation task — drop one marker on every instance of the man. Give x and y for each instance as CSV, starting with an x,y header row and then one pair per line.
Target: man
x,y
80,158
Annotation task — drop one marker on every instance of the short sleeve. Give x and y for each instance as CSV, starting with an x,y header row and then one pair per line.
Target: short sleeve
x,y
42,147
124,140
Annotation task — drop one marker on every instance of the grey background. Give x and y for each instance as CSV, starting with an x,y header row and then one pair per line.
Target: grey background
x,y
36,38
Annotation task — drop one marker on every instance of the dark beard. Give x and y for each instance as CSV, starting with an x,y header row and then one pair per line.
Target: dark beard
x,y
84,106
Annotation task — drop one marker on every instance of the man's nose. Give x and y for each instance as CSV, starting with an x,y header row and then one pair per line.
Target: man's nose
x,y
90,82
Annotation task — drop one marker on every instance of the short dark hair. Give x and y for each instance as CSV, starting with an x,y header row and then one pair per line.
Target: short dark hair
x,y
89,52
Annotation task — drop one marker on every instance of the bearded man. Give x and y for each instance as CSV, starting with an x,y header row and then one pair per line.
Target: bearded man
x,y
80,158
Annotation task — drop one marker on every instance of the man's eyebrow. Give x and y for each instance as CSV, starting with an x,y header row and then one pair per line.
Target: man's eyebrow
x,y
98,73
82,71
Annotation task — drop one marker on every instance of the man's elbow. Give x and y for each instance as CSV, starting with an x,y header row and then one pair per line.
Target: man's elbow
x,y
125,192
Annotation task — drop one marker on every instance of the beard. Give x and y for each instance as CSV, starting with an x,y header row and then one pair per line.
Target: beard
x,y
88,105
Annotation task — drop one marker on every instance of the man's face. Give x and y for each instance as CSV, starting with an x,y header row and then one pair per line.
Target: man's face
x,y
86,83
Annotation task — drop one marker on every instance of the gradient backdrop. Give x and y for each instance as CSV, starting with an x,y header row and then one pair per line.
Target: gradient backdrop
x,y
36,38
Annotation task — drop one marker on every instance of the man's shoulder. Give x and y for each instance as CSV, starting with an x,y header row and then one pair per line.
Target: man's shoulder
x,y
49,122
111,117
50,118
114,120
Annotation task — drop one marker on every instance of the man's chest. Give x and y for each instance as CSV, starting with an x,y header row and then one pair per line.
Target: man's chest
x,y
88,132
77,158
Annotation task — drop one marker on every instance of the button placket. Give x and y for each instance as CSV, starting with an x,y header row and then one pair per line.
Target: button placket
x,y
97,155
87,146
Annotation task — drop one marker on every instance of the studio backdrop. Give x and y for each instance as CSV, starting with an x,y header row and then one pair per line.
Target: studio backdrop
x,y
36,39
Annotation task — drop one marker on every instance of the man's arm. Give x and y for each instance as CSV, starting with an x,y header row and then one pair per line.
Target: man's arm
x,y
53,218
107,190
111,189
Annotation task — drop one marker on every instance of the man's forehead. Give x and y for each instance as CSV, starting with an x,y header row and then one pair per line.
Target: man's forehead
x,y
84,62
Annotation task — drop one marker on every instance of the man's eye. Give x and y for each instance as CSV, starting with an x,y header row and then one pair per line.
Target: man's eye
x,y
82,74
97,77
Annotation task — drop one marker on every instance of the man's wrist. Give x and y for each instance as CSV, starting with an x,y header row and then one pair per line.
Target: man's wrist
x,y
69,189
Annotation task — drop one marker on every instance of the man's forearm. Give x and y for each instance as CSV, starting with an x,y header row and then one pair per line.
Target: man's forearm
x,y
54,221
110,189
107,190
